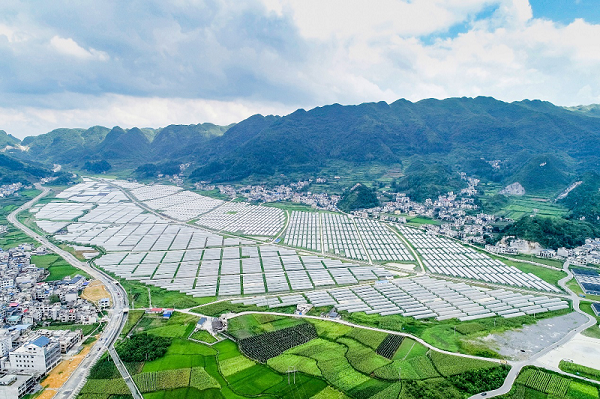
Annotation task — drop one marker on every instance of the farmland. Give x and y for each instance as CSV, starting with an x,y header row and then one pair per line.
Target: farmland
x,y
329,362
539,383
57,267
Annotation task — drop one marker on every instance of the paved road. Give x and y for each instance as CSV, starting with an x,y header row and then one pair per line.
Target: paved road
x,y
116,316
517,366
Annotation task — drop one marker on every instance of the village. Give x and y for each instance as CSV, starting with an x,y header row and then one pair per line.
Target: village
x,y
28,351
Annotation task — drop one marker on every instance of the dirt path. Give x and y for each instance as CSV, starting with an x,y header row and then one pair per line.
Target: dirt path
x,y
95,291
60,374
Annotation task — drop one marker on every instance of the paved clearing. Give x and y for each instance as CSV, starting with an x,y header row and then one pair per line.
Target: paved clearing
x,y
581,349
523,343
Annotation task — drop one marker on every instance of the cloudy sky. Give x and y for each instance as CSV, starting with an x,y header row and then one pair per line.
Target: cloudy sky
x,y
155,62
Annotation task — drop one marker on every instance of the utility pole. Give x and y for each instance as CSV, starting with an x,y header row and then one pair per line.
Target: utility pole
x,y
291,379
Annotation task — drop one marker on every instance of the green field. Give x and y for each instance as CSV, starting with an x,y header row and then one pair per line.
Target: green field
x,y
219,308
442,334
580,370
550,262
204,336
539,383
133,317
291,206
13,237
138,296
340,363
574,286
593,331
85,328
57,267
518,207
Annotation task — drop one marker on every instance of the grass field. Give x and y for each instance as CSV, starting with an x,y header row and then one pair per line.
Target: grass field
x,y
13,237
578,369
219,308
539,383
290,206
518,207
204,336
574,286
57,267
256,324
133,317
138,296
593,331
550,262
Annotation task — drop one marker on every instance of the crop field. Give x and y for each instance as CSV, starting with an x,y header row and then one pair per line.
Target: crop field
x,y
540,383
335,362
444,256
528,205
389,346
203,336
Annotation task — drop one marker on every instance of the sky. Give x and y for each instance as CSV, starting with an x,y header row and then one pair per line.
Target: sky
x,y
151,63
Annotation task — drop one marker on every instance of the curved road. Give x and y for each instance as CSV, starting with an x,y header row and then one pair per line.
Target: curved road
x,y
116,321
518,366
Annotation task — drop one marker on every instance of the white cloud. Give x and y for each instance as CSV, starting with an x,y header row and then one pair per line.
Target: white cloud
x,y
193,61
365,19
70,47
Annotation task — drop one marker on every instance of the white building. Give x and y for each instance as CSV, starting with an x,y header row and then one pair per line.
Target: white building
x,y
15,386
39,355
5,342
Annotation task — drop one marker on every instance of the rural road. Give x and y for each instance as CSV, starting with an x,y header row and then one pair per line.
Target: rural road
x,y
117,317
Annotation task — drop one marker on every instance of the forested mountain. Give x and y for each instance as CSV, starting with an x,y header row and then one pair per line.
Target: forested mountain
x,y
482,136
7,140
16,171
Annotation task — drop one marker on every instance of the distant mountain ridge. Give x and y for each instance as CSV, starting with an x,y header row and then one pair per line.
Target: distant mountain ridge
x,y
463,134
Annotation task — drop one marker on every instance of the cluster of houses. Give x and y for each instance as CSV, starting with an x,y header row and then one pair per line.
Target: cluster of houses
x,y
28,302
294,192
6,190
25,299
579,256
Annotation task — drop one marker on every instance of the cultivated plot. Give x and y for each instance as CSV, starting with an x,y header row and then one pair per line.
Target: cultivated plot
x,y
243,218
443,256
236,270
421,298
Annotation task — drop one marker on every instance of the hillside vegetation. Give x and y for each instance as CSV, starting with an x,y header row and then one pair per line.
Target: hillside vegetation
x,y
552,232
458,134
358,197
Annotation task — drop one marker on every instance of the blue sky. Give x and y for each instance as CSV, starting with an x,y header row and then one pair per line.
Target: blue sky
x,y
153,63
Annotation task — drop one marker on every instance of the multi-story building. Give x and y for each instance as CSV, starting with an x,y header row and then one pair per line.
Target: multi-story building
x,y
39,355
16,385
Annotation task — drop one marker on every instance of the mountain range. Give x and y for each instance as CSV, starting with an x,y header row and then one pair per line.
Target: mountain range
x,y
481,136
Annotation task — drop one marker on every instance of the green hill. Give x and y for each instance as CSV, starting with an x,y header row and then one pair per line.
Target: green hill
x,y
542,174
358,197
584,200
7,140
457,134
15,171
